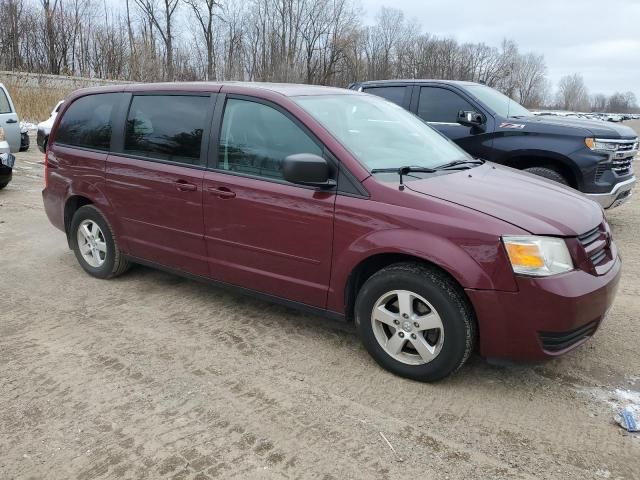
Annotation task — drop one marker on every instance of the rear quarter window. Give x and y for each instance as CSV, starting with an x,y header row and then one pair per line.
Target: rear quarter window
x,y
87,122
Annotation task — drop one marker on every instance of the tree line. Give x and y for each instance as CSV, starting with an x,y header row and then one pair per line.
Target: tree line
x,y
307,41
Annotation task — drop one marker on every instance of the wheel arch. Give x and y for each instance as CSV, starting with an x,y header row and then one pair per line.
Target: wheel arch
x,y
554,161
376,262
71,206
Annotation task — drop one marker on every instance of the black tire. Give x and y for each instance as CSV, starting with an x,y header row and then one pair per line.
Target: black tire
x,y
448,299
547,173
2,185
114,262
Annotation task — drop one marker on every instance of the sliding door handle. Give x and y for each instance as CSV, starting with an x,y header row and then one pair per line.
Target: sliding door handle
x,y
184,186
222,192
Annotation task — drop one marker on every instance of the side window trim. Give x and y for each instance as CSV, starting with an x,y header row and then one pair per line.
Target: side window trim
x,y
119,126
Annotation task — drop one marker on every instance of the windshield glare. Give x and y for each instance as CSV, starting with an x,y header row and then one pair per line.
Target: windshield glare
x,y
379,133
496,101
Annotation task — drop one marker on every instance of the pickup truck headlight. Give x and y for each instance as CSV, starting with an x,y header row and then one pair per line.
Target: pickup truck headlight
x,y
599,146
538,256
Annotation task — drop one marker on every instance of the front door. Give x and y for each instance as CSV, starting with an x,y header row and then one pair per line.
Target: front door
x,y
262,232
155,180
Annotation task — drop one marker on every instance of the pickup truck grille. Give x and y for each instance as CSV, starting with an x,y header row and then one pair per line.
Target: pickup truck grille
x,y
596,244
622,167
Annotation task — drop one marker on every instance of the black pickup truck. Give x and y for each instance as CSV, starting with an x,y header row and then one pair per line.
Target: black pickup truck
x,y
592,156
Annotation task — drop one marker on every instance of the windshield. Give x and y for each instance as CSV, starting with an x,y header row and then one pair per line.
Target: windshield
x,y
379,133
496,101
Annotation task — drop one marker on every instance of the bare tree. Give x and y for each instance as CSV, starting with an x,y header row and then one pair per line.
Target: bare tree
x,y
161,17
572,93
205,12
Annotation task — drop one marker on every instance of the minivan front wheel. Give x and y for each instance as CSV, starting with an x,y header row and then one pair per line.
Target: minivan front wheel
x,y
94,245
415,321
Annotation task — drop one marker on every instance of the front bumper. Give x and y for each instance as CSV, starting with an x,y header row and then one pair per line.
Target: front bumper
x,y
619,194
546,317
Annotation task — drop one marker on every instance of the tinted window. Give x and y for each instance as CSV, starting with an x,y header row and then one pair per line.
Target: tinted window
x,y
87,122
166,127
256,138
4,102
441,105
393,94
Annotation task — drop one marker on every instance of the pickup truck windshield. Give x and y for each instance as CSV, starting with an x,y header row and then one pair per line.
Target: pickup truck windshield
x,y
496,101
379,133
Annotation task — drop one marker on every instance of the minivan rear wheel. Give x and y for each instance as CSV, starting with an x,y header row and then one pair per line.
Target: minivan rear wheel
x,y
415,321
94,245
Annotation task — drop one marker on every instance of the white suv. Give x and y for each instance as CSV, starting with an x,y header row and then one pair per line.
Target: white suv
x,y
9,120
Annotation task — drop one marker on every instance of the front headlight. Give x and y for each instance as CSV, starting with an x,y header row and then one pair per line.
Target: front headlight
x,y
538,256
599,146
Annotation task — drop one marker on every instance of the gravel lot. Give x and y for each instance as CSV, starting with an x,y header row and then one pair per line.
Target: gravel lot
x,y
154,376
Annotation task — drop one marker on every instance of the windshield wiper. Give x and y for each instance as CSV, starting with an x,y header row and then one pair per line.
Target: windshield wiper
x,y
458,164
402,171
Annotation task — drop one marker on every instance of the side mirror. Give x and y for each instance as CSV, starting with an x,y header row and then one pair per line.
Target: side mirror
x,y
470,118
307,169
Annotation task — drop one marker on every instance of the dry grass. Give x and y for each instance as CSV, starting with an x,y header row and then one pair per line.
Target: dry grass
x,y
34,104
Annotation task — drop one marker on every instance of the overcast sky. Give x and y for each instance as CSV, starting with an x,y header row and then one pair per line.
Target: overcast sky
x,y
598,38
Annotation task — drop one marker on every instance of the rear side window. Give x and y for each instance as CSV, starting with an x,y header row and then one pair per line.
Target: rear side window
x,y
87,122
167,127
441,105
393,94
256,138
5,107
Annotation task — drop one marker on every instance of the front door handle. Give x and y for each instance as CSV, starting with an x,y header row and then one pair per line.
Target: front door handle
x,y
12,120
222,192
184,186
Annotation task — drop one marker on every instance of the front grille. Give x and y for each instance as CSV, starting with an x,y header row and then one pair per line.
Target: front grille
x,y
557,341
622,166
625,147
595,244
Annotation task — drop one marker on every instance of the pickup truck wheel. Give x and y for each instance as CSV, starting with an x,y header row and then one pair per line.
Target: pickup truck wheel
x,y
547,173
94,245
2,185
415,322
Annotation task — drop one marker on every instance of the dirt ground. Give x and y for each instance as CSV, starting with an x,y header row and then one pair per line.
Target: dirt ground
x,y
154,376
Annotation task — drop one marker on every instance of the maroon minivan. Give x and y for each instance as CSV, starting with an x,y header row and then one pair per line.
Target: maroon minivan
x,y
337,202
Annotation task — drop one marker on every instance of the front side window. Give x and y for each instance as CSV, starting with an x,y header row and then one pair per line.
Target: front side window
x,y
256,138
498,102
393,94
5,107
380,134
87,122
441,105
166,127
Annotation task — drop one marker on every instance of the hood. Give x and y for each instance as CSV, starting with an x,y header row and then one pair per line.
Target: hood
x,y
535,204
593,128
